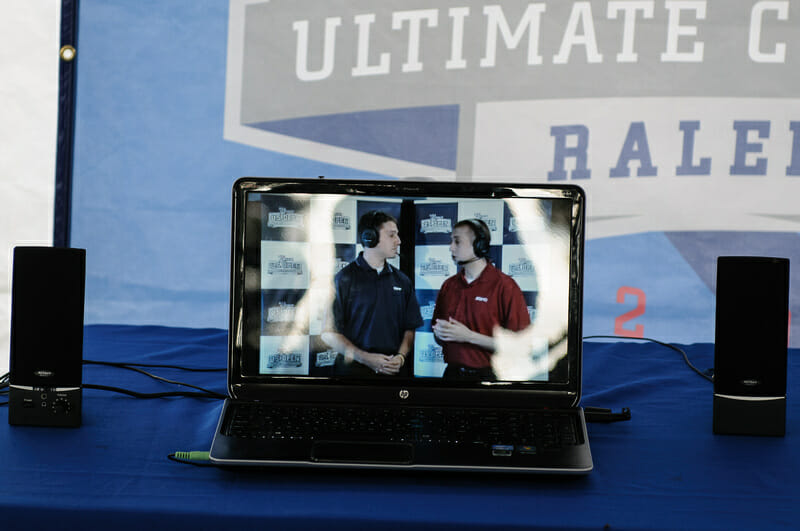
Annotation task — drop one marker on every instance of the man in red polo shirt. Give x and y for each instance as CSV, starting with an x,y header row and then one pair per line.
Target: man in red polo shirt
x,y
472,303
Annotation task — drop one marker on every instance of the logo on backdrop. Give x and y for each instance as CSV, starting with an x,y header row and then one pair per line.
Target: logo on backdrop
x,y
490,221
284,265
434,268
284,360
396,87
282,313
325,358
432,353
427,310
339,265
341,221
284,218
436,225
523,267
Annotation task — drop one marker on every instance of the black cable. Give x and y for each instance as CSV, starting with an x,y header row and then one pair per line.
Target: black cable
x,y
668,345
204,393
4,386
152,365
151,375
136,394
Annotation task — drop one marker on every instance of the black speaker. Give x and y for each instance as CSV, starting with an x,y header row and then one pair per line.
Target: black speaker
x,y
46,356
750,348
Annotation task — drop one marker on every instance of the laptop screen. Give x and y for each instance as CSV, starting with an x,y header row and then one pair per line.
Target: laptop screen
x,y
420,284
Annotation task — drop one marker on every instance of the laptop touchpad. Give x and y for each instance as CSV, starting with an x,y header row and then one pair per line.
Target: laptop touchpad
x,y
362,452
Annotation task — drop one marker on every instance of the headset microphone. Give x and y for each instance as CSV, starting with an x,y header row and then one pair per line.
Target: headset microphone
x,y
465,262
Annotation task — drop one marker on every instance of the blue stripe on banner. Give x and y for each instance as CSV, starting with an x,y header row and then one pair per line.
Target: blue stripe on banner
x,y
426,135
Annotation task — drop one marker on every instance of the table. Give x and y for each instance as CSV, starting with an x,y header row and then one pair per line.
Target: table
x,y
663,469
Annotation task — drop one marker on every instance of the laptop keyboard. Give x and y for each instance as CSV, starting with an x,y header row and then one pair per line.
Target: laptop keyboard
x,y
536,429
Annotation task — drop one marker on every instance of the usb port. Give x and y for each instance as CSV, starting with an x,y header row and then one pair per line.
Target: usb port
x,y
502,450
527,450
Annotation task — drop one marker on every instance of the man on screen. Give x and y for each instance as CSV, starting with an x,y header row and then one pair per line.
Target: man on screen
x,y
472,303
375,310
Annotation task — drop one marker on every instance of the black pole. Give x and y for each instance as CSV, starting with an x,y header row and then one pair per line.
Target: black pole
x,y
66,122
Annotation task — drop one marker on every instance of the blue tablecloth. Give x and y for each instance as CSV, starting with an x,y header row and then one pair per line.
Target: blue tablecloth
x,y
664,469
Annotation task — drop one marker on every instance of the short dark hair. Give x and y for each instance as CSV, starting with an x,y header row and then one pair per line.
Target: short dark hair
x,y
369,225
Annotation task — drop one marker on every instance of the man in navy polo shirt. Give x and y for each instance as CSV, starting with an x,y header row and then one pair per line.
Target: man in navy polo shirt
x,y
375,310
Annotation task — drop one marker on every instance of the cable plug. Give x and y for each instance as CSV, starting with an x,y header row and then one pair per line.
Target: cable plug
x,y
192,458
599,414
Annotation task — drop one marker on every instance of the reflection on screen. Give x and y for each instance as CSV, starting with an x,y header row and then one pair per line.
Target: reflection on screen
x,y
304,240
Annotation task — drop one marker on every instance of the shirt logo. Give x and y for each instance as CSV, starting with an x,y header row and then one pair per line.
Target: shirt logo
x,y
436,225
284,218
481,299
397,288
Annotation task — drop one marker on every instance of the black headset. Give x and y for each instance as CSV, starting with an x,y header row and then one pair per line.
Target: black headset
x,y
369,236
483,237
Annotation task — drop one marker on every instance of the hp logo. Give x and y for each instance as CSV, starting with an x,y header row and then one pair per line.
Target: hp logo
x,y
403,394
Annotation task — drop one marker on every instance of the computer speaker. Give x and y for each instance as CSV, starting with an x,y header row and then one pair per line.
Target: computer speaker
x,y
751,344
46,355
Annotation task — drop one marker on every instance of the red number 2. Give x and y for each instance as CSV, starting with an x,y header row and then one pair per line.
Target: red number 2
x,y
619,322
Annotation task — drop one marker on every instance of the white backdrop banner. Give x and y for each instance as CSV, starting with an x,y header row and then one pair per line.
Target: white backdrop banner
x,y
680,118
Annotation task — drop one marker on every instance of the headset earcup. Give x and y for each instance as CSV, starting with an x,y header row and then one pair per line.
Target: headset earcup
x,y
369,238
480,245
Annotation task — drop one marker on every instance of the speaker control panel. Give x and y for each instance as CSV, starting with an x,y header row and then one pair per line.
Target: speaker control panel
x,y
44,406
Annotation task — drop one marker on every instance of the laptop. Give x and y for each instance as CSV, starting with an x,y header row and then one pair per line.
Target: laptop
x,y
295,396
